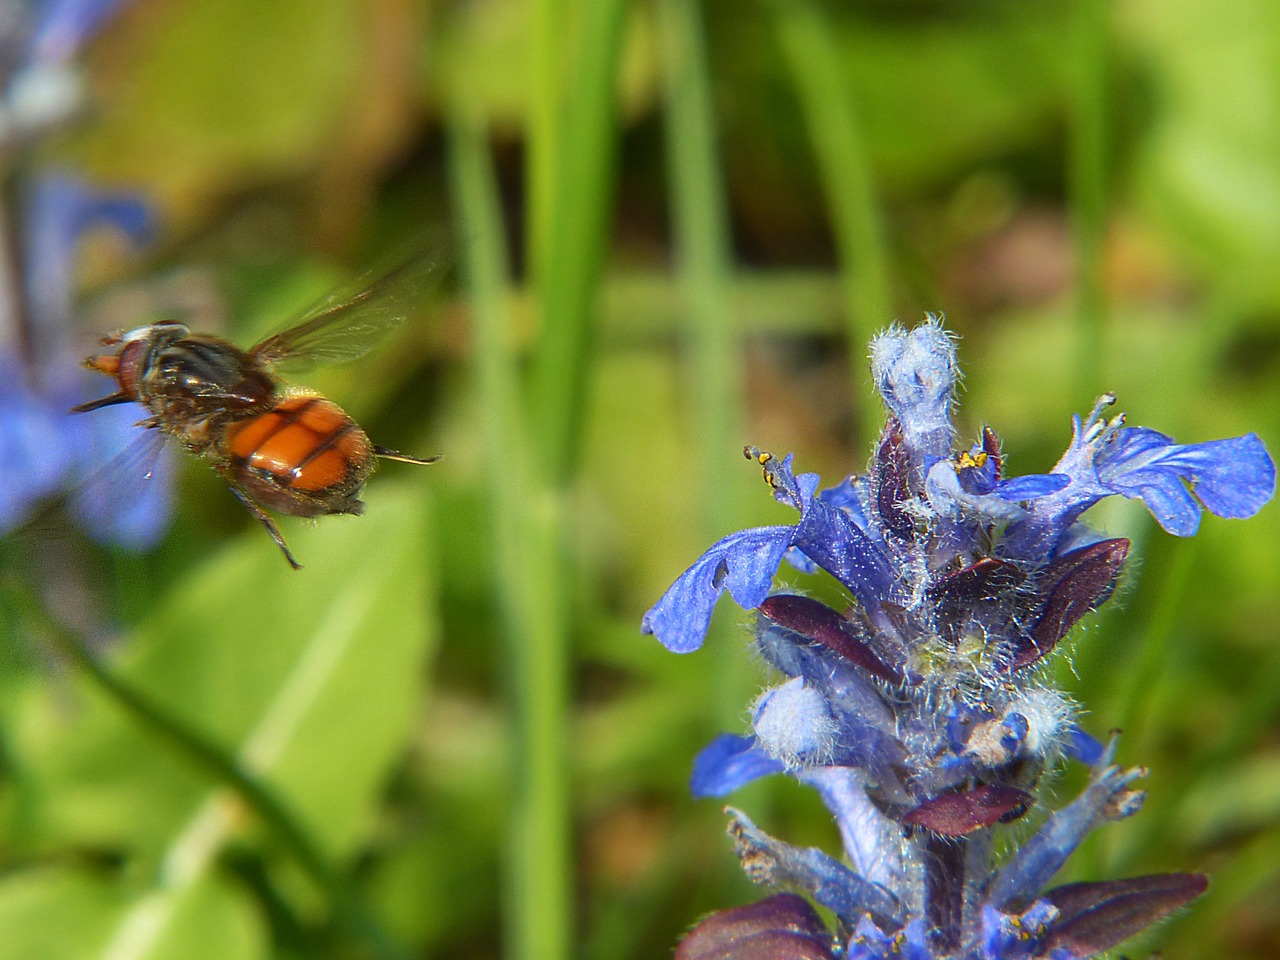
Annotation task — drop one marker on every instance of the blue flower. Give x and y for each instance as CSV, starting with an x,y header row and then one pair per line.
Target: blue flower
x,y
917,712
61,208
828,534
63,26
119,477
50,448
43,88
1230,478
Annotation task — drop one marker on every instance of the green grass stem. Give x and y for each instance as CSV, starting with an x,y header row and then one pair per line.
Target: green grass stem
x,y
543,131
575,239
526,524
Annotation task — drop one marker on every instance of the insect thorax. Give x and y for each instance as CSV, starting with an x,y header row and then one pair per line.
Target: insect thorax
x,y
198,384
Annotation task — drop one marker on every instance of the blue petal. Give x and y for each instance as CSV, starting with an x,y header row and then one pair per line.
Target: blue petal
x,y
829,536
61,208
870,943
1083,747
950,499
798,560
727,763
866,832
63,26
844,495
980,473
743,563
1007,937
1231,478
1032,486
916,374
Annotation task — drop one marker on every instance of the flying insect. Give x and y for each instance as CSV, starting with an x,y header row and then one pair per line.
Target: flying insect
x,y
279,448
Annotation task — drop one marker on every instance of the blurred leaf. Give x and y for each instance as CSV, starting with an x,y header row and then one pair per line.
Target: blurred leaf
x,y
1209,163
934,95
205,94
311,677
1211,814
67,914
482,56
938,95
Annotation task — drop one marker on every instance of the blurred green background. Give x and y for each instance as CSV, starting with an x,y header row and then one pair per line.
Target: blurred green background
x,y
676,224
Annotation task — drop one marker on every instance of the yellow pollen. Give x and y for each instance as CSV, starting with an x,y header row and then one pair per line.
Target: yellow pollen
x,y
761,457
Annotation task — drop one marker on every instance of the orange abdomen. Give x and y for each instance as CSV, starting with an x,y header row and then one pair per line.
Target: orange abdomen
x,y
303,444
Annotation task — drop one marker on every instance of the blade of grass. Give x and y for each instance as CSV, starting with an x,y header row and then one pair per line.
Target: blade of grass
x,y
526,529
576,235
543,139
845,169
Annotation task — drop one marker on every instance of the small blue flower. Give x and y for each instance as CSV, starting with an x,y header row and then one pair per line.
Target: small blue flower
x,y
119,476
61,208
744,563
42,86
45,450
1230,478
917,712
54,449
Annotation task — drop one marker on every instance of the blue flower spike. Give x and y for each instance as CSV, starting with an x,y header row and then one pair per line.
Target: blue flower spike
x,y
918,710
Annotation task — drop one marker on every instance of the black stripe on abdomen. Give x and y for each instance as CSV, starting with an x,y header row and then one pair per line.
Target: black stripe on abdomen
x,y
325,445
286,420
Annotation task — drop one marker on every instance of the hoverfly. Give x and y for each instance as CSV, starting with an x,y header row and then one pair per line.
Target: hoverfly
x,y
279,448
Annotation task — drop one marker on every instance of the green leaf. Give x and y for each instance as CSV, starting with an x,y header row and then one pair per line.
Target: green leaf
x,y
69,914
309,678
208,90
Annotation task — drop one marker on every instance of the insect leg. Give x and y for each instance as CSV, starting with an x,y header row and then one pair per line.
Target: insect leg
x,y
403,457
265,519
108,401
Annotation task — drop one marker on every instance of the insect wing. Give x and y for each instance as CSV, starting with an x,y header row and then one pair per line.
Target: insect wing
x,y
350,321
125,488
